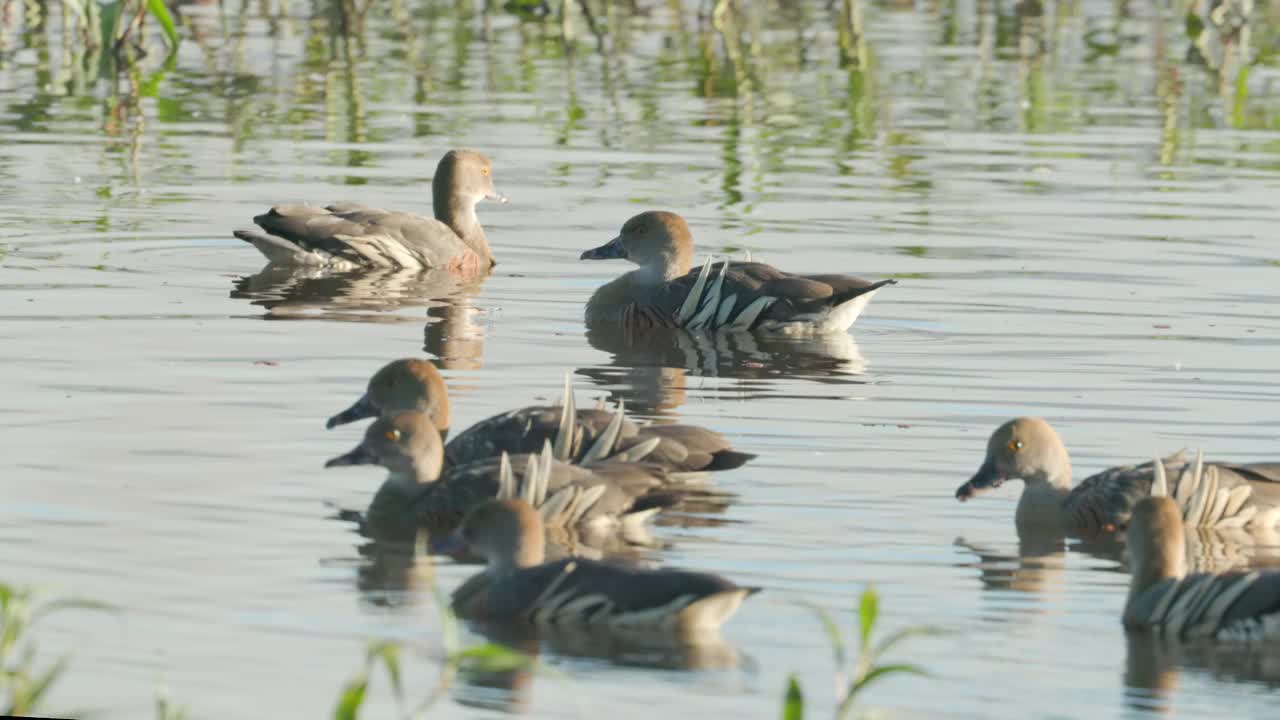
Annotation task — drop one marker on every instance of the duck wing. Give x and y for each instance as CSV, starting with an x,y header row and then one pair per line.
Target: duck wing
x,y
526,429
585,592
350,235
757,296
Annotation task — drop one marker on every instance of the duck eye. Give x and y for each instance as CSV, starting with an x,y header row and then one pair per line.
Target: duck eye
x,y
1015,445
484,171
392,434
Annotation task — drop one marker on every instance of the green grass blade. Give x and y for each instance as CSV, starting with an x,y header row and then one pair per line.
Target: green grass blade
x,y
78,7
903,634
389,653
36,692
60,604
162,16
352,698
491,657
108,19
868,610
881,671
793,701
833,632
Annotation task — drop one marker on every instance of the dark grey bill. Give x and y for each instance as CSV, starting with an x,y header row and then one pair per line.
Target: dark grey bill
x,y
987,478
358,456
359,410
611,250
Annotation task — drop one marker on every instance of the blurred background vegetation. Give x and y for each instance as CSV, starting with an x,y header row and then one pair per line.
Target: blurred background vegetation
x,y
1030,65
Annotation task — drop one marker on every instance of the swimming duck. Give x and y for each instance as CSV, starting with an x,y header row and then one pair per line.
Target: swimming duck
x,y
1241,607
1225,495
664,292
420,493
518,585
349,235
410,384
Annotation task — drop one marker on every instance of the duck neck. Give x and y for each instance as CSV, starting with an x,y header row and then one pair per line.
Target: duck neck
x,y
459,213
1165,563
1040,505
527,553
413,477
668,268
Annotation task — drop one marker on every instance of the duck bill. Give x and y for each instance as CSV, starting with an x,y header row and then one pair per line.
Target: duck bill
x,y
611,250
359,455
987,478
359,410
496,197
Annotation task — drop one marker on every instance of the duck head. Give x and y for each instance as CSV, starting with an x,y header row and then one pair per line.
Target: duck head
x,y
1024,448
404,384
508,533
405,443
466,177
657,241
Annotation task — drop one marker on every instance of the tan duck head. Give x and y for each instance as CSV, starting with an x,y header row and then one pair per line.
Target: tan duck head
x,y
463,178
405,443
400,385
507,533
1025,448
658,241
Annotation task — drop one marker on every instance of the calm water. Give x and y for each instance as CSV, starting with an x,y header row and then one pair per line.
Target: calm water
x,y
1082,221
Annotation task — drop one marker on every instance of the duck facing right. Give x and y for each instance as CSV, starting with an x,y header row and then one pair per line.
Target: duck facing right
x,y
666,293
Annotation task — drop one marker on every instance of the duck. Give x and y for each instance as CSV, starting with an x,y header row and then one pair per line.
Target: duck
x,y
665,293
609,492
1224,495
517,583
348,235
414,384
1239,607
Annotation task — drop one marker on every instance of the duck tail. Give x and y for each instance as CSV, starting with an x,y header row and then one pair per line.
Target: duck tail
x,y
711,611
729,460
845,296
276,249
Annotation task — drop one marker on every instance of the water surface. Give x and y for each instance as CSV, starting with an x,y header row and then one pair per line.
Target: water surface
x,y
1082,219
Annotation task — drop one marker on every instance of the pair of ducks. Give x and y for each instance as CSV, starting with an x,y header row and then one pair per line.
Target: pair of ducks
x,y
663,293
588,472
1241,607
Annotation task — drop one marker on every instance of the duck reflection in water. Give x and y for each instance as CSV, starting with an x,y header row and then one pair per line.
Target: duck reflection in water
x,y
511,690
1037,567
1040,563
1154,666
652,365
